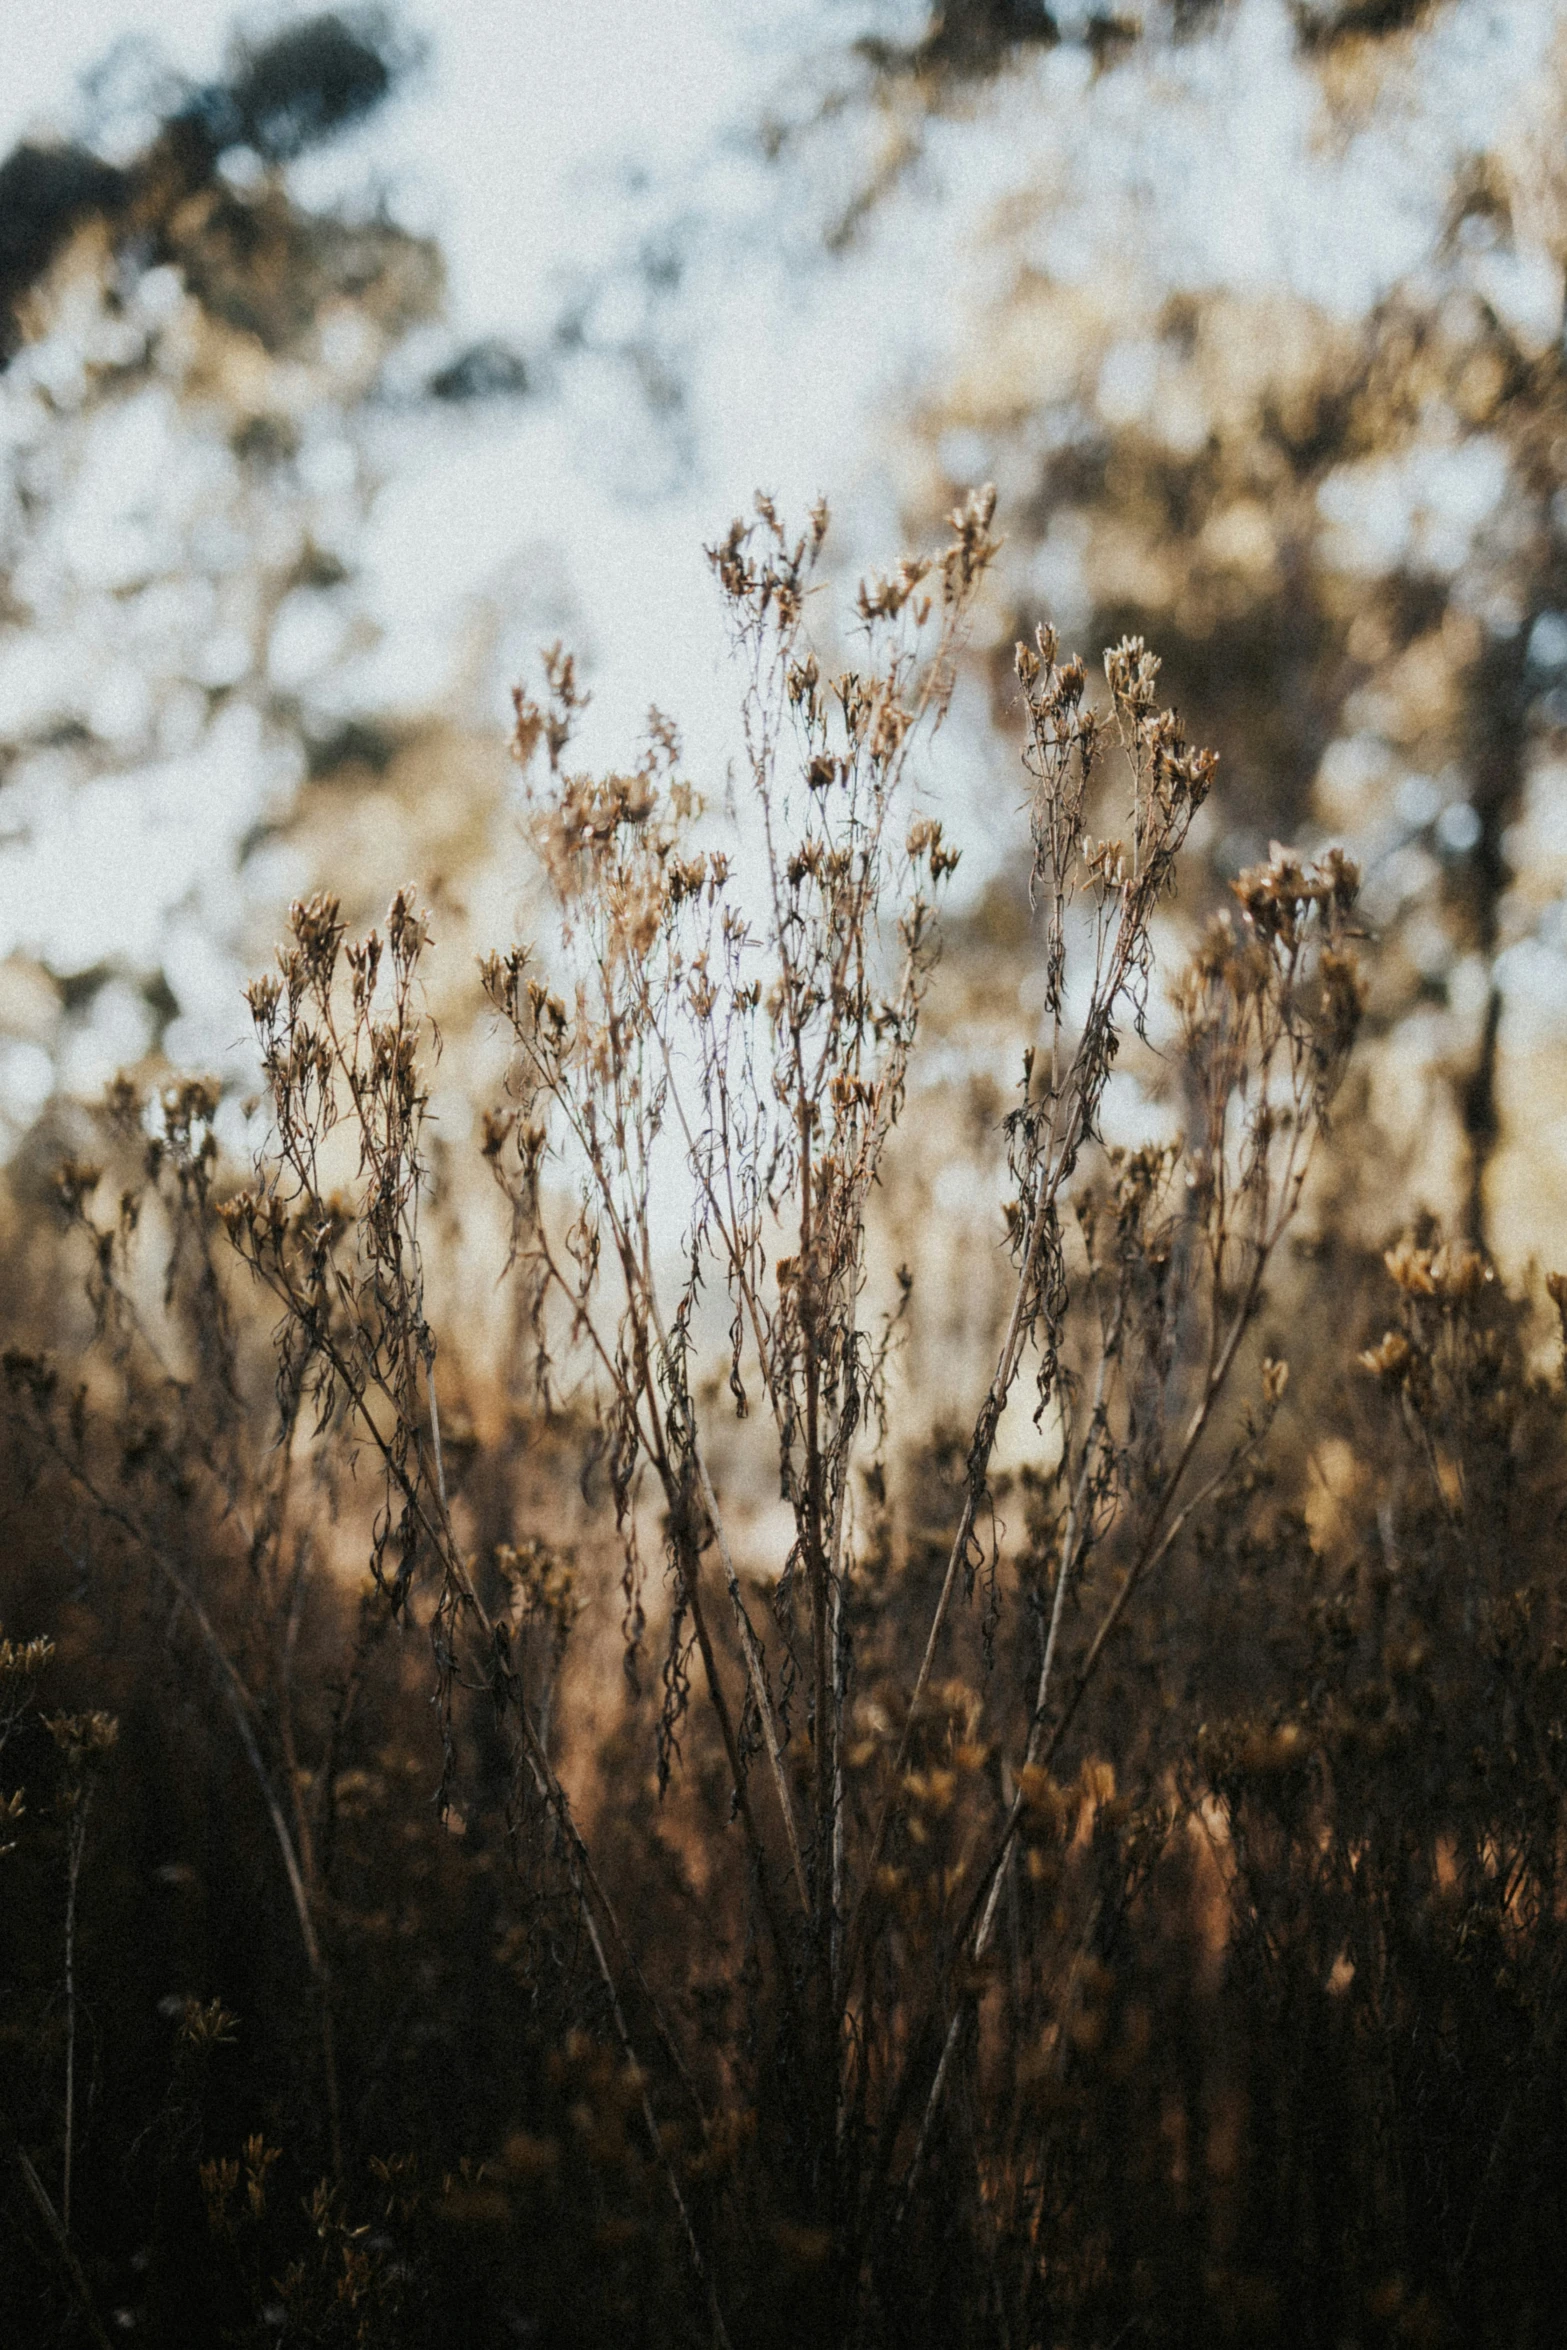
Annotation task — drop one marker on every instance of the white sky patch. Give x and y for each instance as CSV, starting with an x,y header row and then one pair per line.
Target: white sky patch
x,y
1532,977
1421,508
96,871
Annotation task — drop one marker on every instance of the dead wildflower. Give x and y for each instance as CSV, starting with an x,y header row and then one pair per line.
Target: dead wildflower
x,y
1390,1360
345,1267
1448,1365
903,1832
224,2178
21,1662
207,2024
771,1046
994,1795
162,1449
1451,1272
84,1741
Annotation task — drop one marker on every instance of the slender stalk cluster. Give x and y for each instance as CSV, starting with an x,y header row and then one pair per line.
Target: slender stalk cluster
x,y
1062,1822
748,1051
711,1074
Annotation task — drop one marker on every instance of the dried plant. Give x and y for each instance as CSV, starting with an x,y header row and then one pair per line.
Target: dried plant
x,y
84,1740
729,1021
1079,1858
159,1444
21,1662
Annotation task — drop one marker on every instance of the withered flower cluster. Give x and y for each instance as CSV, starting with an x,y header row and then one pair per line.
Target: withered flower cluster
x,y
747,1050
712,1047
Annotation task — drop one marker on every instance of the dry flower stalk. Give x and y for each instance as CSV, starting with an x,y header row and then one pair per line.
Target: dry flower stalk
x,y
765,1048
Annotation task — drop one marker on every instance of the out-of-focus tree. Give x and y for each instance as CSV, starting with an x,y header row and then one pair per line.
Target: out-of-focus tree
x,y
193,358
1264,347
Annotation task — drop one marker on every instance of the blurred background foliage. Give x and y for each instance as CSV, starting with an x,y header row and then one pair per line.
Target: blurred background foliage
x,y
1253,313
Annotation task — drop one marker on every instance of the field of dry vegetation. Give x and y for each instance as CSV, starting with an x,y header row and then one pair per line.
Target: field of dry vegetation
x,y
765,1777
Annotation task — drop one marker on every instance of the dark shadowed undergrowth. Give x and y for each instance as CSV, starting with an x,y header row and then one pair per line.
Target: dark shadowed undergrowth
x,y
679,1829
